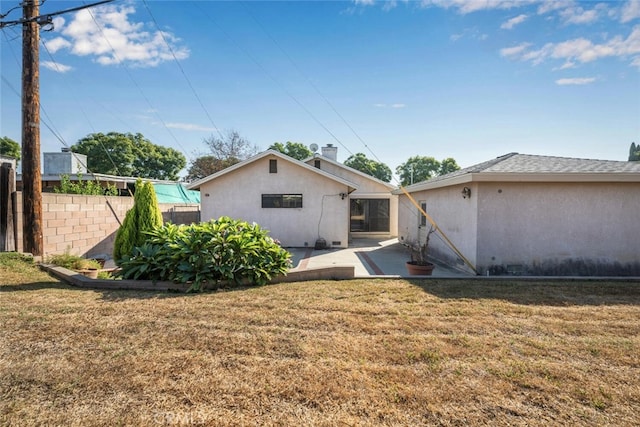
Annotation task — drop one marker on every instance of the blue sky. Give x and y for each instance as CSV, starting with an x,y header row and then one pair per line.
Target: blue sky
x,y
470,80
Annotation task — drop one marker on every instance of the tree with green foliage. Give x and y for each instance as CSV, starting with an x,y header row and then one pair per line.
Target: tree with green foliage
x,y
205,166
421,168
634,152
297,150
126,154
144,217
9,148
376,169
448,165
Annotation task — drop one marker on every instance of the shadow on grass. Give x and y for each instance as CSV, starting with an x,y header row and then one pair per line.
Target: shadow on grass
x,y
550,292
36,286
543,292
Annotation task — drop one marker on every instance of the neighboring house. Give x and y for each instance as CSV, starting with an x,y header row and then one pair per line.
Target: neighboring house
x,y
373,210
527,214
74,166
299,204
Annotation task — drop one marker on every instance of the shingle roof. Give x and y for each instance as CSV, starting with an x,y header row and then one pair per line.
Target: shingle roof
x,y
526,163
533,165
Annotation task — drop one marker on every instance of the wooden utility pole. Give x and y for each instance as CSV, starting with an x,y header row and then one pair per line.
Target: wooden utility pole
x,y
31,176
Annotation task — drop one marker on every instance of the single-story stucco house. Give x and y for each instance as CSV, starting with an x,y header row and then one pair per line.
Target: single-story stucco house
x,y
317,202
534,215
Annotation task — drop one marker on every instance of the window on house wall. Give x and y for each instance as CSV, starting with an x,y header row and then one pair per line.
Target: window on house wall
x,y
423,219
273,166
316,163
282,200
369,215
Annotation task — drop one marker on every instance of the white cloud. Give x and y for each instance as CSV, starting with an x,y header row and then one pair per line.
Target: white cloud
x,y
190,127
56,66
577,15
513,22
580,50
56,44
630,11
575,81
515,50
390,105
107,34
469,6
552,5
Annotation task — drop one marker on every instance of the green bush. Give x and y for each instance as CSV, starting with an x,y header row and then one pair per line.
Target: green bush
x,y
73,262
144,217
90,188
207,253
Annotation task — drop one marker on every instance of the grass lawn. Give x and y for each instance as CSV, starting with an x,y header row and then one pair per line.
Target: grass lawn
x,y
325,353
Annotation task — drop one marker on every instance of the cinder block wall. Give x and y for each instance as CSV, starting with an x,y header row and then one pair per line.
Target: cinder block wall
x,y
87,225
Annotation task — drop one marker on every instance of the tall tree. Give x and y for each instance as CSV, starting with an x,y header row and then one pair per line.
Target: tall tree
x,y
231,147
297,150
448,165
144,216
10,148
417,169
378,170
634,152
226,150
421,168
205,166
127,154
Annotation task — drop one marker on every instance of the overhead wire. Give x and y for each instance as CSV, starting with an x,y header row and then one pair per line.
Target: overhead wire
x,y
421,211
135,83
310,82
276,81
193,90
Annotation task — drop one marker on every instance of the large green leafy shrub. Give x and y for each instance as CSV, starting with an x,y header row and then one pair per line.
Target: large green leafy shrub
x,y
144,217
225,249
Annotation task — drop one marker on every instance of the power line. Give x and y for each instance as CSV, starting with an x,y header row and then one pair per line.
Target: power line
x,y
195,93
309,81
155,111
276,81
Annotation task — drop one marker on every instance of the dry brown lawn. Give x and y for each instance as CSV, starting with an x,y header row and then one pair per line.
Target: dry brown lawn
x,y
353,353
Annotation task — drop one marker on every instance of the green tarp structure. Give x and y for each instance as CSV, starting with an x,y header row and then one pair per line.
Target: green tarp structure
x,y
176,193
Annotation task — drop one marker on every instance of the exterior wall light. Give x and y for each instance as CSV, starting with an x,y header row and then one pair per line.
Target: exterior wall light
x,y
466,192
343,195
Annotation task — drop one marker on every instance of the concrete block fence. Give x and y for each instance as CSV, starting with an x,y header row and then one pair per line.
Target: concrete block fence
x,y
87,225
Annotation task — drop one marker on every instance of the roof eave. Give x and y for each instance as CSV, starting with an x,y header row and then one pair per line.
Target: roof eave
x,y
523,177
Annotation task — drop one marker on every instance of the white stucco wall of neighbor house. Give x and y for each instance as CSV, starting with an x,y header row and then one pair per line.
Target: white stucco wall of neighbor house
x,y
238,194
455,215
559,228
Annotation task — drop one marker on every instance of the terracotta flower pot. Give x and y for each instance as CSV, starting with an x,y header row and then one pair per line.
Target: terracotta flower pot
x,y
418,269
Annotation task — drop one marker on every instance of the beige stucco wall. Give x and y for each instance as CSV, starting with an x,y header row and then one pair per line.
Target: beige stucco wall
x,y
456,217
238,194
366,189
559,228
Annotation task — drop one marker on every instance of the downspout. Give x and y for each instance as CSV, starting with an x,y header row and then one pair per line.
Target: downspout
x,y
435,226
